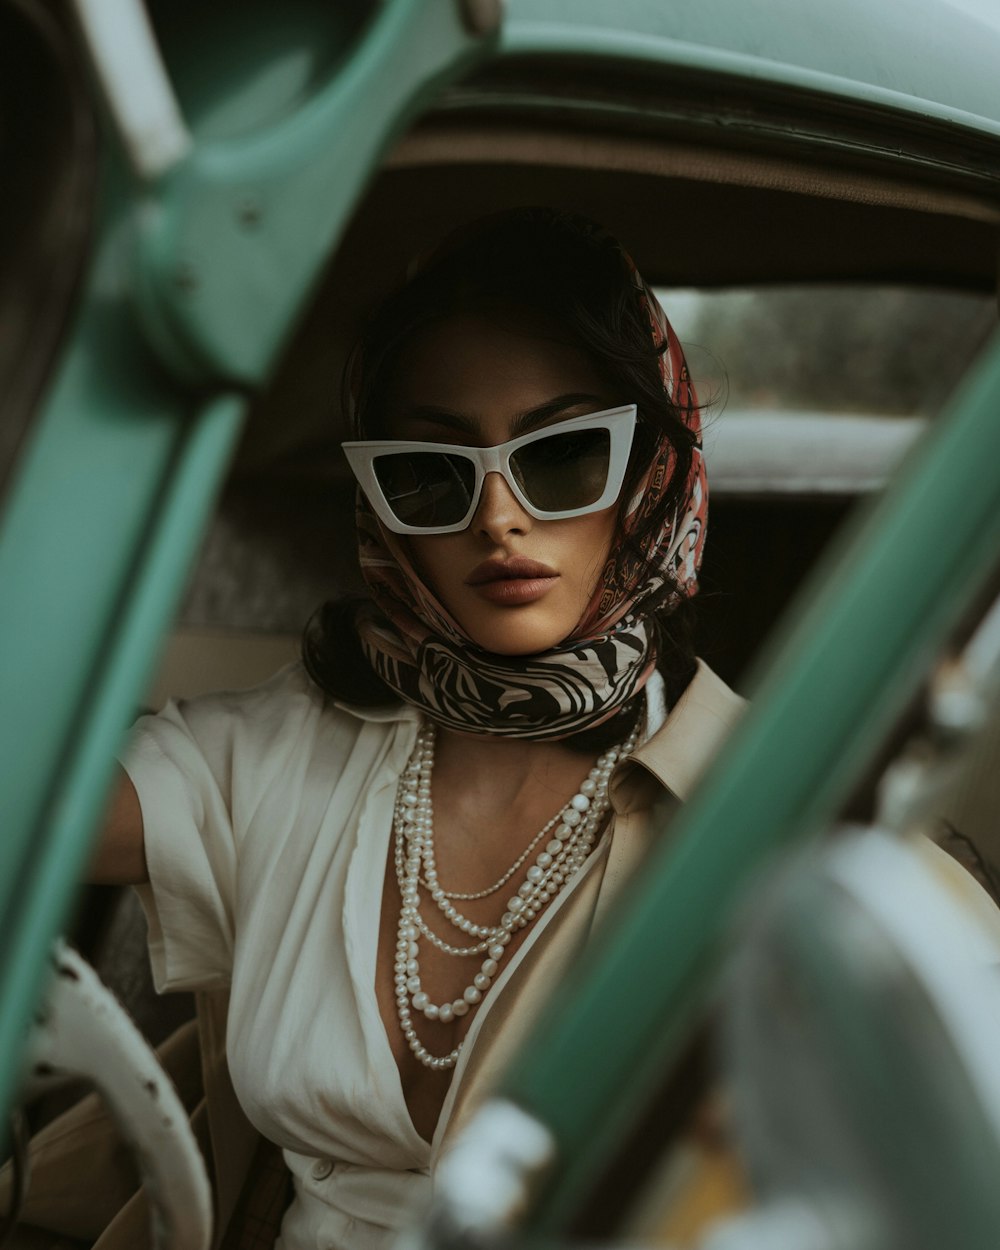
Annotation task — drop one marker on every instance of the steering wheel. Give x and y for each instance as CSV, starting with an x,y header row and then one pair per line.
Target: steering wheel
x,y
81,1030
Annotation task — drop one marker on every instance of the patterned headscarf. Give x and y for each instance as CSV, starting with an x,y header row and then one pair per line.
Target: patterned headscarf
x,y
419,650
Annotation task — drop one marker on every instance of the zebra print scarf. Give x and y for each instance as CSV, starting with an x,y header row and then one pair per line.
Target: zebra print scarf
x,y
422,653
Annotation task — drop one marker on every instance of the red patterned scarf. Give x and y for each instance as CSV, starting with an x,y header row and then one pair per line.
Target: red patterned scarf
x,y
421,652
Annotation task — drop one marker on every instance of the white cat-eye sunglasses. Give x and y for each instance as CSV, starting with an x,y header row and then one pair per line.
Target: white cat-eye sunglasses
x,y
561,471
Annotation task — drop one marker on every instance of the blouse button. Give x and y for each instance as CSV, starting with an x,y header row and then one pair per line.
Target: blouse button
x,y
322,1169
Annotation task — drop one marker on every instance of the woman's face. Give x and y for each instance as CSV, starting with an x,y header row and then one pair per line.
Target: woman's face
x,y
479,381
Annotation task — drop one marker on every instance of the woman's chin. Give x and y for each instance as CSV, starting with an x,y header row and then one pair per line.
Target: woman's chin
x,y
519,629
516,638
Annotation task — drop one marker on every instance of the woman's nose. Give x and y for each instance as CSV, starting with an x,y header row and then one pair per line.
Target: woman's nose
x,y
499,512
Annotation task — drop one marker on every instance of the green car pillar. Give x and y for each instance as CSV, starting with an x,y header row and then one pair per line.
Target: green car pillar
x,y
187,302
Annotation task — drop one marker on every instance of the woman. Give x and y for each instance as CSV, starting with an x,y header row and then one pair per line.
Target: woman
x,y
387,854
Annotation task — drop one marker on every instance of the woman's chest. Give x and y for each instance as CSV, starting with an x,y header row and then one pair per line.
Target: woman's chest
x,y
329,1050
462,898
415,972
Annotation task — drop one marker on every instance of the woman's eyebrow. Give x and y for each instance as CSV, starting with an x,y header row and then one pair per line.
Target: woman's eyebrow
x,y
434,415
534,417
521,423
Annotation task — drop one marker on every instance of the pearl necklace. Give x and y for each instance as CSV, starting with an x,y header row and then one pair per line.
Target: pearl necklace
x,y
573,829
455,894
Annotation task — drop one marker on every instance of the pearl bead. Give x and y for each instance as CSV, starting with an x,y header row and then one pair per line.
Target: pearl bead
x,y
413,856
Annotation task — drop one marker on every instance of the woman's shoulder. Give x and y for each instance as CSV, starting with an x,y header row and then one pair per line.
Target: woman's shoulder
x,y
286,703
684,739
705,705
709,697
287,693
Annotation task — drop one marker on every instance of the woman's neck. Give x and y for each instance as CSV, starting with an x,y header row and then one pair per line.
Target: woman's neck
x,y
497,771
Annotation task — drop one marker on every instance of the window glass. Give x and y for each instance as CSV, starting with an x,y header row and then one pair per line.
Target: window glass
x,y
881,351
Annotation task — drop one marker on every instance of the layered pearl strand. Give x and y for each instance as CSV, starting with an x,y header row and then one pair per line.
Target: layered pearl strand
x,y
574,829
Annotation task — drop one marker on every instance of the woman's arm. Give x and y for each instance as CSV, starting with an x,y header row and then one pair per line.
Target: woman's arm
x,y
120,857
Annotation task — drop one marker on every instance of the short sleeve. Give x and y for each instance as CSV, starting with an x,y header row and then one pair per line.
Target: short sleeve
x,y
181,764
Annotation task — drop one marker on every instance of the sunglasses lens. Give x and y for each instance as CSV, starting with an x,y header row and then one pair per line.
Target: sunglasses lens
x,y
426,489
565,471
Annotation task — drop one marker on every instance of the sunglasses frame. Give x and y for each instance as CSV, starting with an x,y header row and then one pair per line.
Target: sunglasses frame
x,y
619,422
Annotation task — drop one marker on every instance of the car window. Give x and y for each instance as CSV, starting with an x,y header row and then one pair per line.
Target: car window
x,y
889,351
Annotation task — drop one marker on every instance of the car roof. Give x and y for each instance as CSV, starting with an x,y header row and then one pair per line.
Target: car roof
x,y
933,57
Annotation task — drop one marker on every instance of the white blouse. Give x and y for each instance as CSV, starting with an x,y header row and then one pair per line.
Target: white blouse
x,y
267,818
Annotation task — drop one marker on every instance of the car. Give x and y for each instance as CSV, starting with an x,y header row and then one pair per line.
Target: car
x,y
203,208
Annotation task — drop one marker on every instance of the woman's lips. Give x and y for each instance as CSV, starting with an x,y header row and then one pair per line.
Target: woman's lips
x,y
515,590
513,582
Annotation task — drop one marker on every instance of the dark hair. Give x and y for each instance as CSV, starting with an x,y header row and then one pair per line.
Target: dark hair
x,y
571,272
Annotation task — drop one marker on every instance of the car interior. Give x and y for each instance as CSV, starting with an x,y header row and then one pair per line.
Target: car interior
x,y
724,198
700,214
